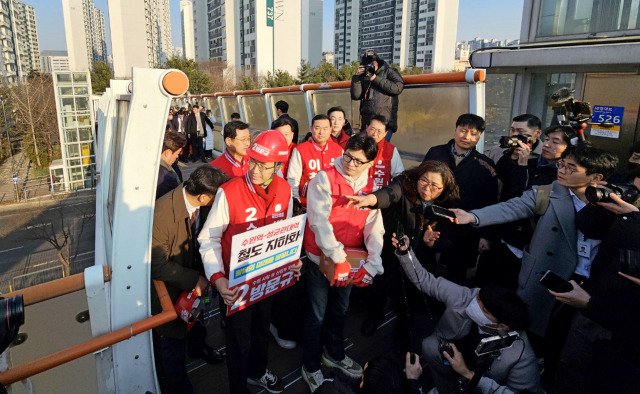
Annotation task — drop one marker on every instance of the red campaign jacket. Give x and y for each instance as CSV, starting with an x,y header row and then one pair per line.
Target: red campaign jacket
x,y
285,165
315,158
248,210
230,166
348,222
380,173
342,139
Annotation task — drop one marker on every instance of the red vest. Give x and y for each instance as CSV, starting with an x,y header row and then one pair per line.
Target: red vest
x,y
314,159
247,210
342,139
230,166
380,173
285,165
348,222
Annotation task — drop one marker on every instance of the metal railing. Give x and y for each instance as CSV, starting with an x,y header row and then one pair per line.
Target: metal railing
x,y
70,284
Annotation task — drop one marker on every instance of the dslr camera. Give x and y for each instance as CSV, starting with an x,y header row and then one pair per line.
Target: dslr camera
x,y
368,59
626,191
512,142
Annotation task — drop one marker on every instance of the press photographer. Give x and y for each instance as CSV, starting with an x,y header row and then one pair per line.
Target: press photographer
x,y
602,351
377,86
454,352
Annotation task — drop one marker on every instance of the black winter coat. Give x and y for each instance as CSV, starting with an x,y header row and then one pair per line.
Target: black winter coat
x,y
379,97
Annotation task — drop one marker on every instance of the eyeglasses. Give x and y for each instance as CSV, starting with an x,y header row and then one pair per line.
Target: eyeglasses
x,y
376,131
261,166
561,164
246,140
426,183
350,159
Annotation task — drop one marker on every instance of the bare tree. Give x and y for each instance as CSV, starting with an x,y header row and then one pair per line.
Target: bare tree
x,y
60,230
34,106
222,76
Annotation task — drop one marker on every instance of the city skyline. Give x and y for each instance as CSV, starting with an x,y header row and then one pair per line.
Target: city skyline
x,y
500,19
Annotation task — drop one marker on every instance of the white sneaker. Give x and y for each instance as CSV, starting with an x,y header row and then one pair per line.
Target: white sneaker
x,y
313,379
269,381
283,343
349,367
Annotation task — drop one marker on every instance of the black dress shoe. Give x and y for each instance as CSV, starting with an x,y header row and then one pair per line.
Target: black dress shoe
x,y
210,355
370,325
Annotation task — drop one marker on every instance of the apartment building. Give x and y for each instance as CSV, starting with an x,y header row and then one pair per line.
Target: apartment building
x,y
85,33
140,34
53,61
259,36
186,19
19,41
409,33
27,35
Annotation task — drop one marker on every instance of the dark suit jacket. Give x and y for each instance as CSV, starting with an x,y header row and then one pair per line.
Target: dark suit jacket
x,y
295,126
168,179
173,253
191,126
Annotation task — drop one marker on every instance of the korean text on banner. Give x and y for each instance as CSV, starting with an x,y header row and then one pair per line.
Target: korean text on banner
x,y
261,260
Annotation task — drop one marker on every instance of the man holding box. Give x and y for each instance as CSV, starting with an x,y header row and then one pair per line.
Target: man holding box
x,y
334,227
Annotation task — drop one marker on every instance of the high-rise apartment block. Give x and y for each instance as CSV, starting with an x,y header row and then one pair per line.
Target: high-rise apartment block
x,y
53,61
186,17
261,36
409,33
140,34
19,37
85,31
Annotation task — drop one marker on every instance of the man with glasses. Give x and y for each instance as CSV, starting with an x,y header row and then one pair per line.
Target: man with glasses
x,y
237,139
312,156
566,238
387,163
475,175
257,199
333,225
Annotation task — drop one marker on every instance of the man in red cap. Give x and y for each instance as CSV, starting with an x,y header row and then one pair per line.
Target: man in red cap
x,y
309,158
259,198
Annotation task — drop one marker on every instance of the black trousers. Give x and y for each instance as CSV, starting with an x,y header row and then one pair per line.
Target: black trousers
x,y
197,147
173,364
288,306
247,334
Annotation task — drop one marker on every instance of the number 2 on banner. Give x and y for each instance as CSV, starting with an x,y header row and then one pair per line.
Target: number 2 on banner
x,y
240,301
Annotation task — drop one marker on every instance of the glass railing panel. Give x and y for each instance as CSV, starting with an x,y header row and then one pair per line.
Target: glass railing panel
x,y
255,112
297,110
499,90
230,105
323,100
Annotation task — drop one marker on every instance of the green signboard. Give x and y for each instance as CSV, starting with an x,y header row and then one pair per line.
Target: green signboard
x,y
270,13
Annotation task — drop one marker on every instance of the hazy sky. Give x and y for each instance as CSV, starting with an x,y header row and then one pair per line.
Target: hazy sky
x,y
499,19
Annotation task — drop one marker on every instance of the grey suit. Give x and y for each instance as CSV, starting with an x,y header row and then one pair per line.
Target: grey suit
x,y
553,246
514,370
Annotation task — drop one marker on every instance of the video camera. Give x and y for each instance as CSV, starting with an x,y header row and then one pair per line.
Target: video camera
x,y
367,62
626,191
512,142
11,317
570,112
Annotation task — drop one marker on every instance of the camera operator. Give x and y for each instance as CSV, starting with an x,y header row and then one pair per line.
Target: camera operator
x,y
377,86
602,351
525,125
472,315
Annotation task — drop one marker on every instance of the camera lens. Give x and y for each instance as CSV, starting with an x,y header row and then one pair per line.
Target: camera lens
x,y
594,194
15,311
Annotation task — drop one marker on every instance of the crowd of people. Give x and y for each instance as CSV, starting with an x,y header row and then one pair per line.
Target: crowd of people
x,y
468,238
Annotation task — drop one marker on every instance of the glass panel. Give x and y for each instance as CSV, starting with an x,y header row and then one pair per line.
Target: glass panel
x,y
71,135
82,103
85,134
564,17
212,104
116,152
65,91
69,121
230,105
255,112
74,162
73,150
84,120
542,87
324,100
66,104
297,110
77,185
499,99
81,90
79,77
427,117
217,141
64,78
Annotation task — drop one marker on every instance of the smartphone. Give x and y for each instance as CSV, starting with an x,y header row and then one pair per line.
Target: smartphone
x,y
496,343
555,283
630,262
443,212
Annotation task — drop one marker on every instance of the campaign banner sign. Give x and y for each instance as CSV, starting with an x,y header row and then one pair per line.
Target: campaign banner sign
x,y
261,258
608,114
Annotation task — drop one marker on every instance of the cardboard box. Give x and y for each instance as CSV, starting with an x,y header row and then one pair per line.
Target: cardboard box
x,y
355,257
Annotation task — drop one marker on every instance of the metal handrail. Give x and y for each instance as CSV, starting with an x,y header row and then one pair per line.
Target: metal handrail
x,y
68,285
